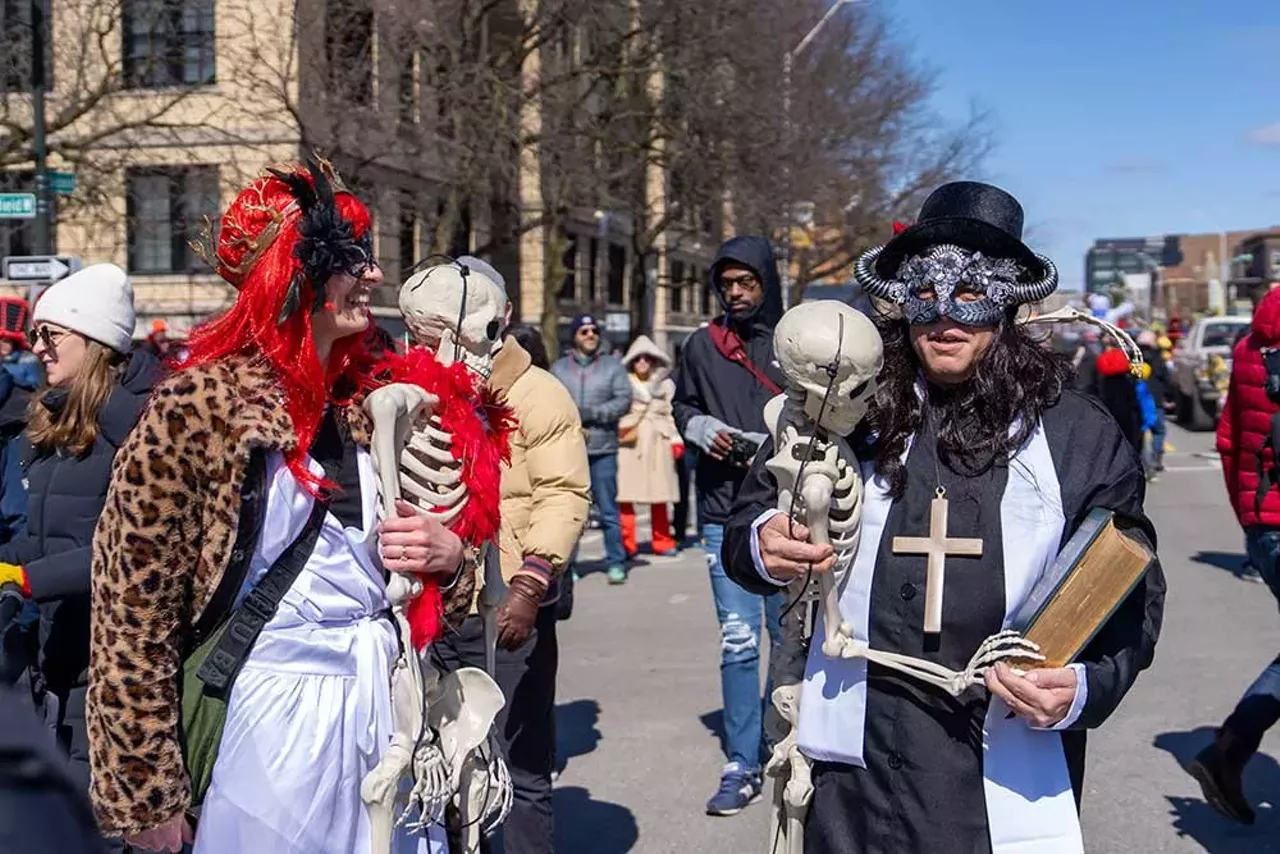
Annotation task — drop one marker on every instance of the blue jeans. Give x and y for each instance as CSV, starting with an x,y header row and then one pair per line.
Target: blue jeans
x,y
1263,545
739,614
1158,432
604,491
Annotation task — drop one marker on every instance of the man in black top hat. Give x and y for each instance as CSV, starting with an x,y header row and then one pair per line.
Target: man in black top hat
x,y
973,414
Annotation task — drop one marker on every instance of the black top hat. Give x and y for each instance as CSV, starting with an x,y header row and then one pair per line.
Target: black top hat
x,y
968,214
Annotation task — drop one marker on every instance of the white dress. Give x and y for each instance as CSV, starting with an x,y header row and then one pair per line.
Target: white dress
x,y
310,713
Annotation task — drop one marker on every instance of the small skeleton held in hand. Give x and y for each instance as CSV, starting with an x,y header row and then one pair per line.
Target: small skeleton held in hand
x,y
438,442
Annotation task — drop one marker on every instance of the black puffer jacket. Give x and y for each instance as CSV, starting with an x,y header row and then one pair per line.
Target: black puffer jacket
x,y
709,384
64,499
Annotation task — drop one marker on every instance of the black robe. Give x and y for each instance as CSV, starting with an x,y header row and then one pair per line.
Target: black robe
x,y
922,789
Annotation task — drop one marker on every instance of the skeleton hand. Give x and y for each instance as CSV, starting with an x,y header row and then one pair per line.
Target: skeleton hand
x,y
432,789
1042,698
517,614
787,553
415,542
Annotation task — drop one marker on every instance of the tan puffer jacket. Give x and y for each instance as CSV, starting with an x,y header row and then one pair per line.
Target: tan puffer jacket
x,y
546,489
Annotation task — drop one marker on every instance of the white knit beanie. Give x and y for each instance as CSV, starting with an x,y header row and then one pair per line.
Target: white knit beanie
x,y
97,302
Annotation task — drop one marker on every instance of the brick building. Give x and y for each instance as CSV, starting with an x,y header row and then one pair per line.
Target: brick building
x,y
1195,273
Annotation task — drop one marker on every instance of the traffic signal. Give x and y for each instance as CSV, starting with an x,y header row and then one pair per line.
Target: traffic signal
x,y
1172,254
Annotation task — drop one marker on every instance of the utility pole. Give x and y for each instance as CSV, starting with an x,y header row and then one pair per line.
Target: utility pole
x,y
44,226
787,213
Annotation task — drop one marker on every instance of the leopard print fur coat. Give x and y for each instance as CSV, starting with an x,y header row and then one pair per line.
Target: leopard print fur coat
x,y
160,549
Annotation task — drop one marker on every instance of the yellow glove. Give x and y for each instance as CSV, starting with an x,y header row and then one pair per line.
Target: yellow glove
x,y
13,574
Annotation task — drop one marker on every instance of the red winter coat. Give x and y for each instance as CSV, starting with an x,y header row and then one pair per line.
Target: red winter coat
x,y
1246,421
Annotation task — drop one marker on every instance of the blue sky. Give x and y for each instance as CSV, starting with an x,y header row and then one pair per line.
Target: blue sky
x,y
1114,119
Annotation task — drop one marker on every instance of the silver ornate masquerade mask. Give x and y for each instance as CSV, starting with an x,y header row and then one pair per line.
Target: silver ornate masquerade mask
x,y
929,285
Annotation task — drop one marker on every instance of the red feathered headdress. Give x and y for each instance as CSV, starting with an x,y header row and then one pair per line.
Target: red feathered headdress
x,y
278,243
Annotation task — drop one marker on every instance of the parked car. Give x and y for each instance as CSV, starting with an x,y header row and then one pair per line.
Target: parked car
x,y
1201,365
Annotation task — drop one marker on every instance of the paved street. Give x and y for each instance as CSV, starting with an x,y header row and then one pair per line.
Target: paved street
x,y
639,699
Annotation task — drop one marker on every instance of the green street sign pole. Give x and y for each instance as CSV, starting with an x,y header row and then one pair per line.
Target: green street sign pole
x,y
43,241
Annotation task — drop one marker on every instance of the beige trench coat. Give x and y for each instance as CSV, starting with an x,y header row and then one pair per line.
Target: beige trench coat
x,y
646,470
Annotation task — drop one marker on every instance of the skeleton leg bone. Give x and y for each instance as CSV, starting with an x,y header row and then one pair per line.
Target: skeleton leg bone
x,y
797,795
782,718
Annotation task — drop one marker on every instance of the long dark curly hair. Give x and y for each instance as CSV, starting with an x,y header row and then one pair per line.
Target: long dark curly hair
x,y
1015,380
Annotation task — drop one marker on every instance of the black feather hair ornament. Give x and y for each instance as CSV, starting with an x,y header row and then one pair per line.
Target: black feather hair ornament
x,y
327,244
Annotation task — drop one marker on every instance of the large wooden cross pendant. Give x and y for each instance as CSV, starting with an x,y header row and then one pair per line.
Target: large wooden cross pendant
x,y
937,546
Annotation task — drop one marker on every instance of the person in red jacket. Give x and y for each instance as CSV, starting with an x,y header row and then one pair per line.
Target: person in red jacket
x,y
1254,488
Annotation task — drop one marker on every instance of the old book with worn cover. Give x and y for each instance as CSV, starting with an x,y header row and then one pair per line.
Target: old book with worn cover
x,y
1095,572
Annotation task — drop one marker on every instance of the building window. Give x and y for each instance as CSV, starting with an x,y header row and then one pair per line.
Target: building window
x,y
569,263
18,19
167,208
408,92
678,288
168,43
593,272
408,237
349,49
17,236
459,237
617,274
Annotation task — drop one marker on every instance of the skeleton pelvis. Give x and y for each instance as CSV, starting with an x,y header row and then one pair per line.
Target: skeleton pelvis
x,y
462,709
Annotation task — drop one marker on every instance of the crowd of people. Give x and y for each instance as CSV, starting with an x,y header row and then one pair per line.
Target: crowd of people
x,y
151,490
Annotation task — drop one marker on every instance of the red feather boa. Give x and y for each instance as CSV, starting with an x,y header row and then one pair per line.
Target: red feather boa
x,y
481,428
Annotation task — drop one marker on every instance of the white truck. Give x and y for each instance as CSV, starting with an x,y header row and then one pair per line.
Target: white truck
x,y
1201,366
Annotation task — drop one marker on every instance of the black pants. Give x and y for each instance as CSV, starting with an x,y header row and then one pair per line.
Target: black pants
x,y
526,725
1257,712
680,515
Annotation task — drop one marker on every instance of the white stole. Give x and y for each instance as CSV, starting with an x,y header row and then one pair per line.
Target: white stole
x,y
1030,804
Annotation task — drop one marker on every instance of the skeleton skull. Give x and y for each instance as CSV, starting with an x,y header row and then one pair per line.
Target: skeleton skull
x,y
458,311
820,341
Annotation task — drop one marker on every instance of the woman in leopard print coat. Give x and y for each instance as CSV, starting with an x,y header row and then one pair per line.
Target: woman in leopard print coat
x,y
217,479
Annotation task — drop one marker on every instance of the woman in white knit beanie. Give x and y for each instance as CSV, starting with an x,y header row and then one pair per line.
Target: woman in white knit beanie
x,y
82,332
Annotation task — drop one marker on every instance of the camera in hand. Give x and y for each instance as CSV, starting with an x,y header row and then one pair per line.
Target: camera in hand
x,y
742,452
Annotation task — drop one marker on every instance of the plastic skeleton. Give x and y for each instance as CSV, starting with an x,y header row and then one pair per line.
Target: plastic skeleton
x,y
443,725
830,355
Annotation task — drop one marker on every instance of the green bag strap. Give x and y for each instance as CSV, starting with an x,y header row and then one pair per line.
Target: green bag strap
x,y
220,669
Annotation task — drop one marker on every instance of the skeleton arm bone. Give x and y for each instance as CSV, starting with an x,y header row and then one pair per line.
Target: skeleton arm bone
x,y
816,491
999,647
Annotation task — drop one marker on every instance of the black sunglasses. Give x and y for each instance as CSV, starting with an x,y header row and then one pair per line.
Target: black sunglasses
x,y
50,338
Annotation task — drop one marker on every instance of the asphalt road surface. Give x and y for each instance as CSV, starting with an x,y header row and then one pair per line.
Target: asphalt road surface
x,y
638,709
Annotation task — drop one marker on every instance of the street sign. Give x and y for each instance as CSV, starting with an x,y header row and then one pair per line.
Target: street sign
x,y
618,322
39,268
17,205
62,183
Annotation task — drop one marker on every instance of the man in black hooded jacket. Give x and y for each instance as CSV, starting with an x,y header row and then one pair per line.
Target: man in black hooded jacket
x,y
726,375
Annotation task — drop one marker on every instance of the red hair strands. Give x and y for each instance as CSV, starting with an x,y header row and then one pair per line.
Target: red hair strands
x,y
257,239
